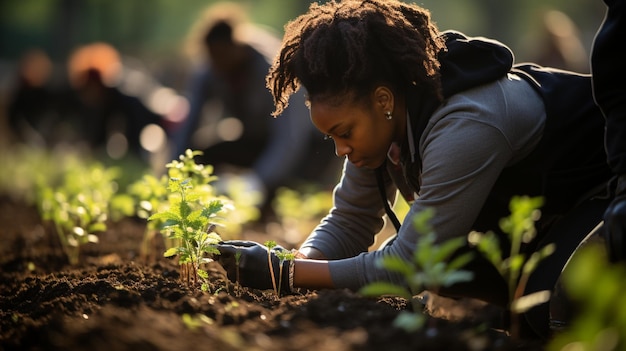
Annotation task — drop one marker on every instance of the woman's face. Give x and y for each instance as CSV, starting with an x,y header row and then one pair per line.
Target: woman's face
x,y
360,130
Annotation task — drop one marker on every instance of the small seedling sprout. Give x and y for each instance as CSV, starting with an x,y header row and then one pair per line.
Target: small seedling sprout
x,y
283,255
270,244
191,221
237,260
79,204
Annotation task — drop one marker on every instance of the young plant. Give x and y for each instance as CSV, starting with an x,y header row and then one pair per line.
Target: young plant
x,y
270,244
237,260
192,223
430,269
143,198
202,178
151,195
515,268
79,205
283,255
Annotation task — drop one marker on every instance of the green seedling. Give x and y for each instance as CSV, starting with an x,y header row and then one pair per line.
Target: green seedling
x,y
202,177
433,266
79,204
142,199
192,222
237,260
270,244
151,195
515,268
283,255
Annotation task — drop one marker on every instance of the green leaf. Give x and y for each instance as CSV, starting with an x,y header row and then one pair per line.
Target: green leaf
x,y
445,249
515,263
395,264
97,227
214,207
489,246
460,261
529,301
203,274
409,322
455,277
212,250
214,237
171,252
184,209
384,288
165,216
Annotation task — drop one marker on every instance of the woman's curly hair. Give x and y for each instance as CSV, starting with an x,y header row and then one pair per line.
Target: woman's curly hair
x,y
351,46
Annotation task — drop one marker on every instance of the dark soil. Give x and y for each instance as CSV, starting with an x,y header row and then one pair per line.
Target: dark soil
x,y
116,301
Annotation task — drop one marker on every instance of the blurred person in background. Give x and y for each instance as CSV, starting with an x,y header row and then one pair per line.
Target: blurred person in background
x,y
32,111
230,111
560,45
115,109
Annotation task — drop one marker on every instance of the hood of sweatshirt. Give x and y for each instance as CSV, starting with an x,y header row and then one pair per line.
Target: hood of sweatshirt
x,y
468,62
472,61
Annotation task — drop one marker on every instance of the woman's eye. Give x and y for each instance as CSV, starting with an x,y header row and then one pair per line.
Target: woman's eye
x,y
345,135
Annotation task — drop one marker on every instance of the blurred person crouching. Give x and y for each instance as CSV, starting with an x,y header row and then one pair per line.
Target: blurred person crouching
x,y
230,112
116,110
31,109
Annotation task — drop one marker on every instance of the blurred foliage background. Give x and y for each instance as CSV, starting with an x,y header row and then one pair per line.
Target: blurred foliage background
x,y
152,30
151,33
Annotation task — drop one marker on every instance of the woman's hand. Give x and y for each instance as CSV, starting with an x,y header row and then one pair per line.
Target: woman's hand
x,y
248,263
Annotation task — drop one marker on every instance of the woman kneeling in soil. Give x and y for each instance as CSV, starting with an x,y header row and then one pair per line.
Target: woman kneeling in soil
x,y
453,125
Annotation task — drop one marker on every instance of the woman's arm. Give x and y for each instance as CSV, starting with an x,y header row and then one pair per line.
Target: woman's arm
x,y
312,274
354,220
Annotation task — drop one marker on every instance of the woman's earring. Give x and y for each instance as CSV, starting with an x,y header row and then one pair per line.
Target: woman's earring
x,y
388,115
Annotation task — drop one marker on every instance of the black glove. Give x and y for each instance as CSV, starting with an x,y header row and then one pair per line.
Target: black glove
x,y
615,228
254,270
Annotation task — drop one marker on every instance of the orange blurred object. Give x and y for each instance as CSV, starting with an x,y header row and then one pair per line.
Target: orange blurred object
x,y
99,57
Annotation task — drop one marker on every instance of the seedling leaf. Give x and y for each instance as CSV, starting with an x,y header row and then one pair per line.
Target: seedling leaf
x,y
385,288
171,252
394,264
526,302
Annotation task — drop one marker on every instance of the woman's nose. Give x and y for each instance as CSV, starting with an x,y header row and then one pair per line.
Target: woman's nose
x,y
341,150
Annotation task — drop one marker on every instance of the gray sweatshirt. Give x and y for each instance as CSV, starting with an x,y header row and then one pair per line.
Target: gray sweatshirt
x,y
468,141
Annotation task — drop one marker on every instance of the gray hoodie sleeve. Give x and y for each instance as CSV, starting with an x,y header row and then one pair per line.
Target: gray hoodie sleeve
x,y
356,217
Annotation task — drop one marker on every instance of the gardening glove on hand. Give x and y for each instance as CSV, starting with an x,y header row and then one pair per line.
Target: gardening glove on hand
x,y
615,223
254,266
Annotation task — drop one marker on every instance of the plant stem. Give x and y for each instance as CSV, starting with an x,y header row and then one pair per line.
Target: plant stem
x,y
280,276
269,261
